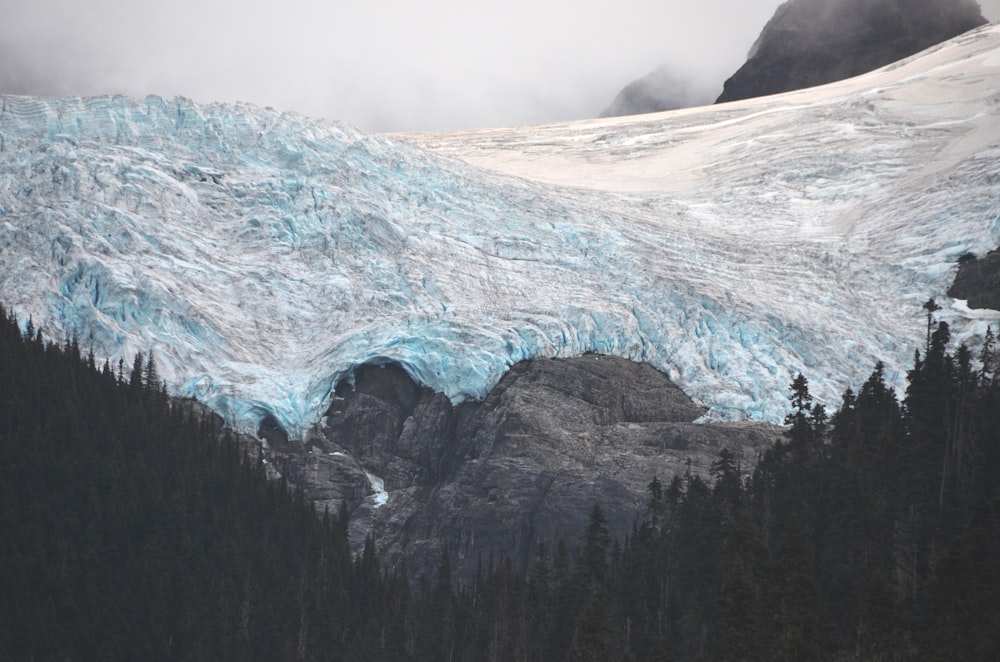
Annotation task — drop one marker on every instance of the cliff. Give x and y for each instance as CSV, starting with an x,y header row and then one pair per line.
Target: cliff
x,y
813,42
494,478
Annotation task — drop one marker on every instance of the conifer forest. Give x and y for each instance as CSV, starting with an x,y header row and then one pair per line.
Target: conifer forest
x,y
134,527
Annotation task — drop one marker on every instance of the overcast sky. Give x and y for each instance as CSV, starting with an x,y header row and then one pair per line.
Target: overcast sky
x,y
382,65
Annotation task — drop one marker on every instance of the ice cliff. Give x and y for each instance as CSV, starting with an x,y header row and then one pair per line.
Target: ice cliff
x,y
263,256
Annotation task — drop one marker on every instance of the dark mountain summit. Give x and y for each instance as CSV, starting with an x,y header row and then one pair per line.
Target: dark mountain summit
x,y
813,42
661,90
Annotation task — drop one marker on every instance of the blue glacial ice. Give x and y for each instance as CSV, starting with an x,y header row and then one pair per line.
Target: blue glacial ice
x,y
264,256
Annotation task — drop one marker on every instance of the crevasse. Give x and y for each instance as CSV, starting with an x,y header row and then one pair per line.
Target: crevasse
x,y
263,256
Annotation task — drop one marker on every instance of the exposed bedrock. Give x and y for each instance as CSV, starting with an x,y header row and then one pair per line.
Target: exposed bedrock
x,y
978,281
523,466
812,42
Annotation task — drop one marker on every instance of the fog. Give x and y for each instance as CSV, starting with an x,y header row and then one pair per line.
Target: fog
x,y
382,65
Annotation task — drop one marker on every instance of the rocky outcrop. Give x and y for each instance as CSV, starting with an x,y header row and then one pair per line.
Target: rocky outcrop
x,y
978,281
653,93
812,42
525,465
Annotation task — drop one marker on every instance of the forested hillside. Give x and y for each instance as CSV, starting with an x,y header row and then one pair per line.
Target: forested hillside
x,y
131,529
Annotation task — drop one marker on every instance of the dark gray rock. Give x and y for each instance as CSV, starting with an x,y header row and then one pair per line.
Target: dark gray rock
x,y
978,281
658,91
270,431
525,465
812,42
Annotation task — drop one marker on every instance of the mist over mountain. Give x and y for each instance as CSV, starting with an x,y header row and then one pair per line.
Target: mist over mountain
x,y
655,92
812,42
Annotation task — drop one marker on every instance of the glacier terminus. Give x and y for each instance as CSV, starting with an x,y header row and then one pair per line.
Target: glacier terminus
x,y
263,256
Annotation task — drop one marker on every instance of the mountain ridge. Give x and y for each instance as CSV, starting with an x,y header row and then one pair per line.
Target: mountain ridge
x,y
813,42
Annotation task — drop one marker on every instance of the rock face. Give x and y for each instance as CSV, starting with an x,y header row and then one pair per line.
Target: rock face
x,y
496,477
812,42
658,91
978,281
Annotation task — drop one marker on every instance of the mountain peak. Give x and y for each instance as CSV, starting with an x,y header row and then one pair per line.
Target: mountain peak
x,y
658,91
813,42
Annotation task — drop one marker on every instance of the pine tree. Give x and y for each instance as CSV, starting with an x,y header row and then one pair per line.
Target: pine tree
x,y
135,378
988,358
151,376
739,596
656,508
931,307
593,631
594,551
796,598
728,485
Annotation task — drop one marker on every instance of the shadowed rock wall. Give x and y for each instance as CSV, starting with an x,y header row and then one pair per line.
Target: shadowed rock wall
x,y
813,42
497,477
978,281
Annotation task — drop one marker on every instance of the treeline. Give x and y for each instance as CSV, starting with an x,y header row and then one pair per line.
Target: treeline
x,y
130,529
873,534
133,529
870,535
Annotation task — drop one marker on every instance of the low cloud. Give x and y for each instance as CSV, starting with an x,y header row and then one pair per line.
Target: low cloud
x,y
385,65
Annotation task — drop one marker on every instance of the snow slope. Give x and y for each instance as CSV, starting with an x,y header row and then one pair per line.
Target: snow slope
x,y
264,256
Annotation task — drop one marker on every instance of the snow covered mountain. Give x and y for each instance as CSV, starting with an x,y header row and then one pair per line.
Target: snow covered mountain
x,y
264,256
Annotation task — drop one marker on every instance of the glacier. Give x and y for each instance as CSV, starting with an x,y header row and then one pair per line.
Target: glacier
x,y
263,256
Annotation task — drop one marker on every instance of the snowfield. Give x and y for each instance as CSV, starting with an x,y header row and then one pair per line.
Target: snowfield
x,y
264,256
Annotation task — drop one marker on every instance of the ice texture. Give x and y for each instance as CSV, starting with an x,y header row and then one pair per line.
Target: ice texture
x,y
264,256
